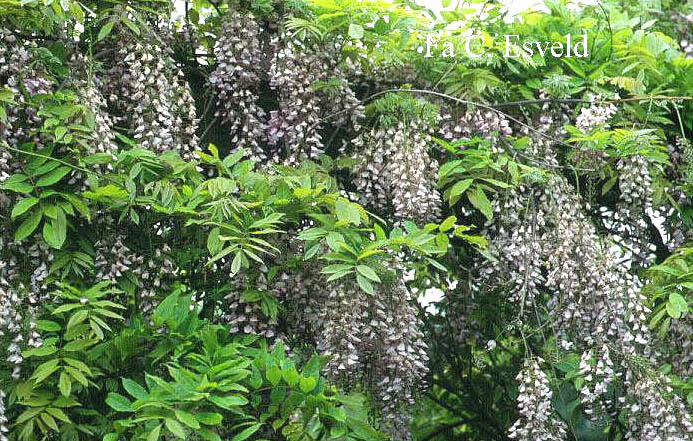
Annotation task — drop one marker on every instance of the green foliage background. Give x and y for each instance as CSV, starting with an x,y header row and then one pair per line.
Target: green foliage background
x,y
107,369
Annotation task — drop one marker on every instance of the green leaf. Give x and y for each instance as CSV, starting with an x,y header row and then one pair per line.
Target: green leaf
x,y
53,177
64,384
335,268
18,184
365,284
355,31
209,418
50,421
247,433
450,167
45,370
103,33
208,434
78,365
175,428
229,401
77,318
480,201
135,389
379,232
291,376
368,272
47,325
154,434
333,240
381,26
447,224
460,187
112,436
55,231
79,205
40,352
274,375
348,212
80,345
236,263
58,414
307,384
119,403
22,206
214,245
28,226
133,27
77,12
677,305
187,419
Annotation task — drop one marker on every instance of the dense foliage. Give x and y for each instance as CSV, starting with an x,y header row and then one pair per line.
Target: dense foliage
x,y
220,220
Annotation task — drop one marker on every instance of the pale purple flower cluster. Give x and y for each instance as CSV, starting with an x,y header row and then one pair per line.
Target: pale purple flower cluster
x,y
394,172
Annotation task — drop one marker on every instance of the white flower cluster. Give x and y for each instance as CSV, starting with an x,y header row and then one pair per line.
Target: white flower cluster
x,y
245,315
517,243
686,41
151,96
374,338
597,381
113,258
394,172
479,122
25,76
597,114
241,67
537,421
635,204
88,90
3,419
11,321
311,86
548,245
402,356
153,276
656,412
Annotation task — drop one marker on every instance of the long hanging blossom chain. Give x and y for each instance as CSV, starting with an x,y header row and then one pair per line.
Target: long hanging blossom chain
x,y
240,52
151,96
395,173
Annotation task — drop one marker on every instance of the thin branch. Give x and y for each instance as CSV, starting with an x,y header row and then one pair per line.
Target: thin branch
x,y
208,128
494,107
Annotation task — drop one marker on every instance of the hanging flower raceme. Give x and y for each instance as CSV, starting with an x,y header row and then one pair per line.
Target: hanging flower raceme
x,y
247,310
311,86
537,422
11,322
372,339
634,206
485,123
393,170
336,317
400,361
3,419
150,96
24,75
656,412
241,53
548,246
117,256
